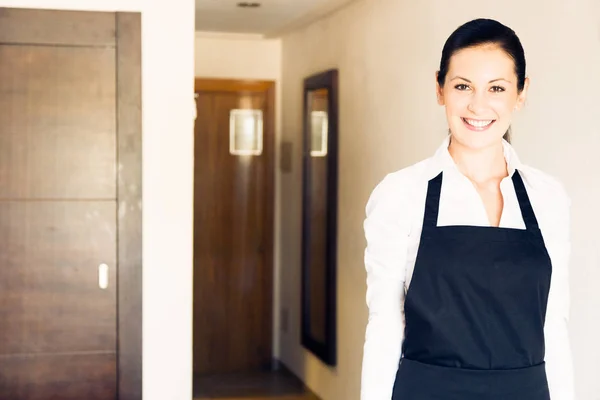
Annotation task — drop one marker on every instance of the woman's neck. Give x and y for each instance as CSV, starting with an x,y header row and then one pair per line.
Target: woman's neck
x,y
479,165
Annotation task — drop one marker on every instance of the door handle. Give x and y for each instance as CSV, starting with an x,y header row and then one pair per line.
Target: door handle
x,y
103,276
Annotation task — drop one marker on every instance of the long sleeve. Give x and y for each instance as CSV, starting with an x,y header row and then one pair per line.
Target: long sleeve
x,y
385,261
559,365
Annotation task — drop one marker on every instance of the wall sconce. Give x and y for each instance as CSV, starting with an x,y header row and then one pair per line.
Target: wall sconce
x,y
318,132
245,132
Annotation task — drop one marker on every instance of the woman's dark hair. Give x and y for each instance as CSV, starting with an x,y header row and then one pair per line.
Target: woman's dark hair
x,y
484,32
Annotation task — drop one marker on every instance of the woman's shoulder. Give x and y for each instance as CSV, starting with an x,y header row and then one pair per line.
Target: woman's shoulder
x,y
550,201
402,182
397,191
544,185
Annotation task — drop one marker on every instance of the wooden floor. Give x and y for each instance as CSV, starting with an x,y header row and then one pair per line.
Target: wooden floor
x,y
280,385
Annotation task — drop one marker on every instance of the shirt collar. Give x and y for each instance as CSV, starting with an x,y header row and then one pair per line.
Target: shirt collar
x,y
442,160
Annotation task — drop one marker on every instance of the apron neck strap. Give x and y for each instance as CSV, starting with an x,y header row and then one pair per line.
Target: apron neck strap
x,y
529,218
434,189
432,202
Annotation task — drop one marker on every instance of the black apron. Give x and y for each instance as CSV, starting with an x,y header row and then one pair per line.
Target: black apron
x,y
475,310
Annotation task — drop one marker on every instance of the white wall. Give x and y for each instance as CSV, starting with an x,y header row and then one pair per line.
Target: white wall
x,y
168,84
234,56
387,52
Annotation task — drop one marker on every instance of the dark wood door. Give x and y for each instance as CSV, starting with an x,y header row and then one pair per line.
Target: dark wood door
x,y
233,233
58,205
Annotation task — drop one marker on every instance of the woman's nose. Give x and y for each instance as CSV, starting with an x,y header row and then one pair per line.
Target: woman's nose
x,y
477,103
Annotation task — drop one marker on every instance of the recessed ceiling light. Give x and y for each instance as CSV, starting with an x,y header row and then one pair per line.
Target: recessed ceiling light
x,y
246,4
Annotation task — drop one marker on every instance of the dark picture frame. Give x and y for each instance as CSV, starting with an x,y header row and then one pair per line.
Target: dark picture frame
x,y
319,217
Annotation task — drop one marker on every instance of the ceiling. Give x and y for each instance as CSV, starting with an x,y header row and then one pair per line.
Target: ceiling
x,y
272,18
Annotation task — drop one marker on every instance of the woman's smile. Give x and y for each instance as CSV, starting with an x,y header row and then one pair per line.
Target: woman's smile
x,y
478,124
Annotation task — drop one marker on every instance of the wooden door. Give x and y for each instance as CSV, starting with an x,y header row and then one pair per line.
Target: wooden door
x,y
61,103
233,233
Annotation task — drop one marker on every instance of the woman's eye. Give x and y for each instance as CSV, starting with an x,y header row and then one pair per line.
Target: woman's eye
x,y
497,89
461,86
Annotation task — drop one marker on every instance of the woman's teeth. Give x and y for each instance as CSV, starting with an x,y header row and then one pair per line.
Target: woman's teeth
x,y
478,123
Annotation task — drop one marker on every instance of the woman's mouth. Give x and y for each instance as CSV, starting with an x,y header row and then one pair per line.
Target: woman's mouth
x,y
478,124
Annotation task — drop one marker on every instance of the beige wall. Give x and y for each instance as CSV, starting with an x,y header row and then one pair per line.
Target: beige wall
x,y
235,56
168,84
387,52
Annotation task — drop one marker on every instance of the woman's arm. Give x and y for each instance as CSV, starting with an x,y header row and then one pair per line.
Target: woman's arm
x,y
385,258
559,366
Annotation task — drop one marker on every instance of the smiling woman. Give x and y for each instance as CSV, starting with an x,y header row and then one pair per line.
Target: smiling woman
x,y
467,252
503,82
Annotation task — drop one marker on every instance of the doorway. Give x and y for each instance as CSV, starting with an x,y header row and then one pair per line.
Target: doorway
x,y
234,173
70,205
233,226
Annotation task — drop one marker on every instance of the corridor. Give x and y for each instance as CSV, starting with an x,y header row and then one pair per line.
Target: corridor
x,y
276,385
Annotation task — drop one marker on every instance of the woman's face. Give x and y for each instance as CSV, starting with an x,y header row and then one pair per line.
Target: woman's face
x,y
480,95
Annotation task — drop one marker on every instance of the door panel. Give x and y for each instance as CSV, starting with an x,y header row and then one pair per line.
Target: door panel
x,y
72,28
51,302
232,239
58,122
86,376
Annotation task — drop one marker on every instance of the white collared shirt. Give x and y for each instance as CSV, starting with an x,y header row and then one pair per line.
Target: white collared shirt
x,y
393,226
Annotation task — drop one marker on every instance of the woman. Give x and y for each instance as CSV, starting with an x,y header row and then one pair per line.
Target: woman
x,y
467,251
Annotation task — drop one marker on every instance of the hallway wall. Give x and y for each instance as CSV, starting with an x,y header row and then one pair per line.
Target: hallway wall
x,y
387,52
237,56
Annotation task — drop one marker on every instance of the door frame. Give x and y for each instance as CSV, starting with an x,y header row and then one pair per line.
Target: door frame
x,y
129,205
121,31
202,84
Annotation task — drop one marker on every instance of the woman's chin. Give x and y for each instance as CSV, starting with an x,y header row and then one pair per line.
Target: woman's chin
x,y
477,140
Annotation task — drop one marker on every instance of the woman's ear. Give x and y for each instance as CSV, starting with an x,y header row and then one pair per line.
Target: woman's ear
x,y
523,95
439,91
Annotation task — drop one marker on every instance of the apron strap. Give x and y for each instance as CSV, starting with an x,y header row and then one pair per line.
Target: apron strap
x,y
432,201
434,189
529,218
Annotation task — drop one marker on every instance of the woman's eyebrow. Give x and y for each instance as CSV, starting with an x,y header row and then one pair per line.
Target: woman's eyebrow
x,y
492,81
